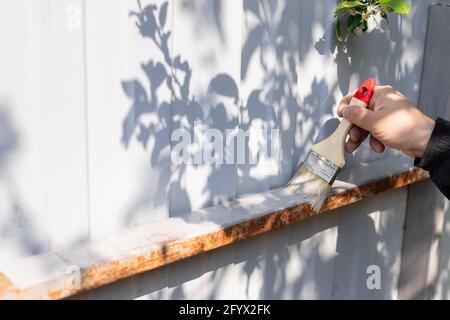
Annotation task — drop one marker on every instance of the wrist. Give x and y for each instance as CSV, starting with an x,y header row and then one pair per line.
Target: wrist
x,y
423,137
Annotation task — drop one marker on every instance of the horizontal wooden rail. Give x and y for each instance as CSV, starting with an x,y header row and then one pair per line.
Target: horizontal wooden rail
x,y
54,275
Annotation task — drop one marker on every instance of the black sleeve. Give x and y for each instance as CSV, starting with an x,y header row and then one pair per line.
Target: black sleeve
x,y
436,158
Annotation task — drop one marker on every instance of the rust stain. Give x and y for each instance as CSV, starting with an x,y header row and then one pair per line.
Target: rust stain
x,y
6,287
172,251
102,273
56,294
9,291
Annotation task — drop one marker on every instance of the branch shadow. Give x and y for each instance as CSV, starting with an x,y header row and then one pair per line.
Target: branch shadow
x,y
277,30
18,233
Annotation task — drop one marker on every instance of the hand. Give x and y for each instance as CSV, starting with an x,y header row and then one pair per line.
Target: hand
x,y
391,120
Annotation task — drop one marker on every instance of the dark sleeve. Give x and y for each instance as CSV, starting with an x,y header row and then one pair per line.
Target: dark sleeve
x,y
436,159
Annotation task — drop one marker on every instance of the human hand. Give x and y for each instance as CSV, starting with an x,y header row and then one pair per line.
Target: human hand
x,y
391,120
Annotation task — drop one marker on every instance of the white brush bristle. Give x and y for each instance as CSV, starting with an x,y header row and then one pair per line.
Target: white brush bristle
x,y
312,187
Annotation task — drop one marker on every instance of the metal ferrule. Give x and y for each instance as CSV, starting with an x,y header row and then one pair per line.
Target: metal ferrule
x,y
321,167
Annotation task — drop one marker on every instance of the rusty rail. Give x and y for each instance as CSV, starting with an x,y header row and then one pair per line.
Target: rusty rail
x,y
100,271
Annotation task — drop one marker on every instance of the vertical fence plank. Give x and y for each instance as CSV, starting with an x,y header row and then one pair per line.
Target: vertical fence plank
x,y
369,244
107,105
206,77
22,211
128,112
128,115
422,226
44,189
269,60
206,63
58,92
425,204
258,54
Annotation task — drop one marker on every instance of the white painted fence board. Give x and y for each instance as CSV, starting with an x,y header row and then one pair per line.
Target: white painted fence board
x,y
441,286
212,100
311,248
17,160
58,92
124,108
424,266
369,235
203,69
107,106
43,88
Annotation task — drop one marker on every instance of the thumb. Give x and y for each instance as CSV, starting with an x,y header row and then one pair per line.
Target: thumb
x,y
361,117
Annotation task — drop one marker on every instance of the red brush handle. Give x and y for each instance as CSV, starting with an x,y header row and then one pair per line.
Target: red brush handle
x,y
365,91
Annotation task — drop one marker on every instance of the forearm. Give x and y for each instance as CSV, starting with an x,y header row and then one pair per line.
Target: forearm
x,y
436,158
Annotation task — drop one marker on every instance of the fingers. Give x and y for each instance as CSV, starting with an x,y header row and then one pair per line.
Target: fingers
x,y
344,102
378,92
355,134
351,145
355,139
361,117
376,145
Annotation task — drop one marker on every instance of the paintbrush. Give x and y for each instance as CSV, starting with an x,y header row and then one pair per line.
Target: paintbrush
x,y
324,161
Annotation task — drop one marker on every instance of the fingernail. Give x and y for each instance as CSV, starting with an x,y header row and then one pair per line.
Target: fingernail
x,y
345,112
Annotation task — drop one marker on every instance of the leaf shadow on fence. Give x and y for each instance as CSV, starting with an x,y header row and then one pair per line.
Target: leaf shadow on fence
x,y
262,103
275,97
17,228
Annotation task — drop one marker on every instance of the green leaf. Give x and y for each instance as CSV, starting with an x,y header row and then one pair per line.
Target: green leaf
x,y
354,22
348,4
398,6
347,7
363,25
342,12
339,35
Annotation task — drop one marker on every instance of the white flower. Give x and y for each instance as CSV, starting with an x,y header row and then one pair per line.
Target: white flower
x,y
374,20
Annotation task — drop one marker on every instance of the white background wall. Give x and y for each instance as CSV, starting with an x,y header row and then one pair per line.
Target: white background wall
x,y
86,114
